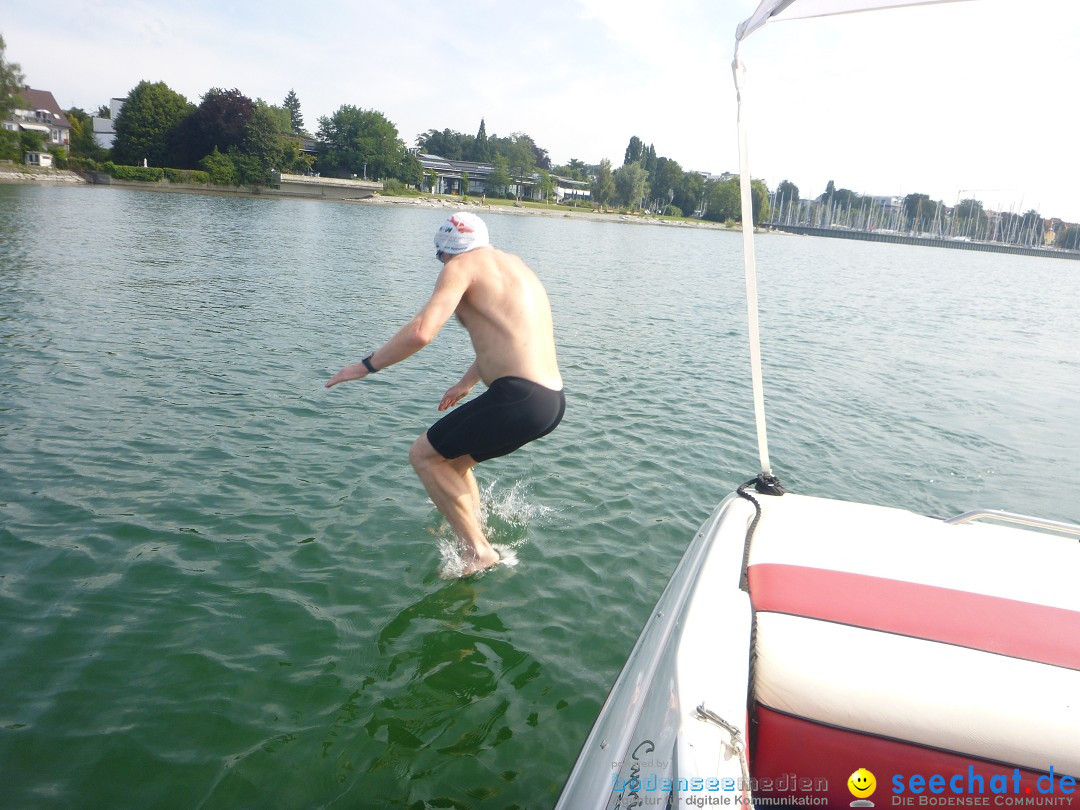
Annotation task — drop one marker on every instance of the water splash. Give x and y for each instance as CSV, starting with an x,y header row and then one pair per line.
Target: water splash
x,y
452,556
505,517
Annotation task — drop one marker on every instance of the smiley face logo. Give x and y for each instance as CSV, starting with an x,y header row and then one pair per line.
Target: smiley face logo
x,y
862,783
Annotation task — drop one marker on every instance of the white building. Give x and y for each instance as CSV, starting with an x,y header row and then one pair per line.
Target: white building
x,y
42,159
104,132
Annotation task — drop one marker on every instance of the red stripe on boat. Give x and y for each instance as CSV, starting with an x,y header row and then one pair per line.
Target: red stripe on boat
x,y
796,756
1007,626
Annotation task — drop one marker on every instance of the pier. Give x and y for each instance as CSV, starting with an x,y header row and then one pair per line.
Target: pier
x,y
925,241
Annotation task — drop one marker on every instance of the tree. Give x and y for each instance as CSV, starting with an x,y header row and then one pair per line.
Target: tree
x,y
541,160
690,193
1031,228
447,144
722,202
635,151
281,115
759,201
522,158
969,219
649,160
725,200
630,184
82,142
547,184
846,198
143,127
787,191
482,151
1067,236
264,146
574,170
220,121
920,212
361,142
499,179
221,169
664,180
603,187
11,82
296,119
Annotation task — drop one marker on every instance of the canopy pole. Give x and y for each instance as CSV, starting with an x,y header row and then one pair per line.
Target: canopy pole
x,y
750,271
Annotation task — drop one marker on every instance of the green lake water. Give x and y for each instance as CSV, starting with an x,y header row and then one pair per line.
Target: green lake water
x,y
219,582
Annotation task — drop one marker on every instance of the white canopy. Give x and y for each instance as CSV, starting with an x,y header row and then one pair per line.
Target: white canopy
x,y
795,9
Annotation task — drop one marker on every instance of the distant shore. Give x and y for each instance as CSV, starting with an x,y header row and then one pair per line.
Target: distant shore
x,y
506,207
32,175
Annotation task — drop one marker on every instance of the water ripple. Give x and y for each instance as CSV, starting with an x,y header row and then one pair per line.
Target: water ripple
x,y
220,582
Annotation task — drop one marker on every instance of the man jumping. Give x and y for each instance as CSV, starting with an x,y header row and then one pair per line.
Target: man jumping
x,y
505,309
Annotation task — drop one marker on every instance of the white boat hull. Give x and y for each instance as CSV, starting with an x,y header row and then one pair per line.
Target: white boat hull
x,y
882,640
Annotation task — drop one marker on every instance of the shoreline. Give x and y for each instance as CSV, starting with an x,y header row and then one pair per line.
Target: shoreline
x,y
510,208
18,174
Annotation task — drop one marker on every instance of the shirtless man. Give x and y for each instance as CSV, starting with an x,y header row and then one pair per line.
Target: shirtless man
x,y
505,309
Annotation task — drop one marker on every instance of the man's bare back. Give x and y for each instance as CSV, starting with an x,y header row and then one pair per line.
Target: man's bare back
x,y
506,311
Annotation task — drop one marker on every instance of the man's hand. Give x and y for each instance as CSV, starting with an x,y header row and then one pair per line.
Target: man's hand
x,y
356,371
454,394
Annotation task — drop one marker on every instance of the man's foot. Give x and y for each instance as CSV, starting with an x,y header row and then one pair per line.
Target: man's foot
x,y
475,562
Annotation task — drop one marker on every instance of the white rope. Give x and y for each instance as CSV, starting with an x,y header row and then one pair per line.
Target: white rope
x,y
750,271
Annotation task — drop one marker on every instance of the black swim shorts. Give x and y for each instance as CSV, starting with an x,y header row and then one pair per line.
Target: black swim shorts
x,y
512,412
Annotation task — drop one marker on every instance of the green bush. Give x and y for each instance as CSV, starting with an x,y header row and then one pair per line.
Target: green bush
x,y
250,170
191,176
219,168
84,164
9,145
31,141
140,173
146,174
672,211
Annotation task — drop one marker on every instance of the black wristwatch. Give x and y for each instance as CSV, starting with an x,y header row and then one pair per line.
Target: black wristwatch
x,y
367,364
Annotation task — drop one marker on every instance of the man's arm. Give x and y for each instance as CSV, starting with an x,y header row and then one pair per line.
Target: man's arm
x,y
418,332
461,388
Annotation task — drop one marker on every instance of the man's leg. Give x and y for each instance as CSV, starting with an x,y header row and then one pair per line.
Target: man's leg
x,y
452,487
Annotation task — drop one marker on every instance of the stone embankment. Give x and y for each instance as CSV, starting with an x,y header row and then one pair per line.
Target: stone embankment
x,y
11,172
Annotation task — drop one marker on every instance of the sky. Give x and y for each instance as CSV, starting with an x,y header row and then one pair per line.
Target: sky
x,y
969,99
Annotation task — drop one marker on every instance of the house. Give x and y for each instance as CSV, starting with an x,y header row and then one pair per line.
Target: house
x,y
104,132
450,176
37,111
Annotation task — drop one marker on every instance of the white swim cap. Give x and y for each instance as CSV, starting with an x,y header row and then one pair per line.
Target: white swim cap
x,y
460,233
